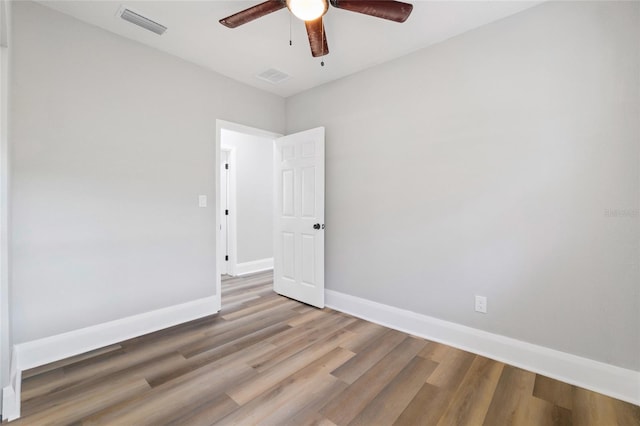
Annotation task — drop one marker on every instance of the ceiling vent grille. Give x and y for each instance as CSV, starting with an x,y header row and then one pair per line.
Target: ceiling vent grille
x,y
141,21
273,76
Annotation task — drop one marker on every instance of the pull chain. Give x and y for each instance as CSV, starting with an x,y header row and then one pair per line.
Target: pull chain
x,y
290,42
322,24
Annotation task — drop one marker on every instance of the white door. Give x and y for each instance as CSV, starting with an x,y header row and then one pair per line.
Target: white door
x,y
298,270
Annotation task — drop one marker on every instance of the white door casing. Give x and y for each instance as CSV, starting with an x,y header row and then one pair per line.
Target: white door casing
x,y
299,216
224,204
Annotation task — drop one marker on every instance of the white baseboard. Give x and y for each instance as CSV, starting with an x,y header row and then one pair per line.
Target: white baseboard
x,y
54,348
597,376
253,266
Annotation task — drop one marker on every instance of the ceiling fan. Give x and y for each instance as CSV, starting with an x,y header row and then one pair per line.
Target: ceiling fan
x,y
312,11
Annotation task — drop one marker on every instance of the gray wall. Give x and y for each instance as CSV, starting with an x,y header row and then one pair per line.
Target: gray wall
x,y
254,195
112,144
485,165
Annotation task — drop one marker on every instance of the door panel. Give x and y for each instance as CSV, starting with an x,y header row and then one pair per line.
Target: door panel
x,y
299,216
308,192
308,256
288,193
288,255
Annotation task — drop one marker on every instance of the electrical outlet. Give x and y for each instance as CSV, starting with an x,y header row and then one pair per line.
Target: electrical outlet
x,y
481,304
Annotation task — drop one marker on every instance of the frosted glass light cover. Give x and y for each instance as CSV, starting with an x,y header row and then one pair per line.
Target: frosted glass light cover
x,y
308,10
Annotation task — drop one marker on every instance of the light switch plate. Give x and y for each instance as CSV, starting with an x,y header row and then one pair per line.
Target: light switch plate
x,y
202,201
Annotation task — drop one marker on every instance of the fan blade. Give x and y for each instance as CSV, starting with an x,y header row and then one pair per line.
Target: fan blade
x,y
255,12
386,9
317,37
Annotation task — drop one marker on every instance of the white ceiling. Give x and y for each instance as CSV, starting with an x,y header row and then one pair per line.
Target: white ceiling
x,y
355,41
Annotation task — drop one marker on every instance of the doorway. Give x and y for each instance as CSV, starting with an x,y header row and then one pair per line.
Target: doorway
x,y
245,233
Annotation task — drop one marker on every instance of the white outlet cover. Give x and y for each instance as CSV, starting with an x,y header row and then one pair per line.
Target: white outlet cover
x,y
481,304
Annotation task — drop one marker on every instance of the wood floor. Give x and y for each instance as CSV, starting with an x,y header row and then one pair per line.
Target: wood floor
x,y
269,360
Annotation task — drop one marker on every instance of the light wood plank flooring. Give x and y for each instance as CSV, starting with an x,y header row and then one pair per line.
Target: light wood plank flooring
x,y
269,360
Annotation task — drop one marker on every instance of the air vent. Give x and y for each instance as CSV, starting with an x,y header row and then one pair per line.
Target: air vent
x,y
273,76
141,21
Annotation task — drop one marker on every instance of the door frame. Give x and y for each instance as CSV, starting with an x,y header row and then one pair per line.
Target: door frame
x,y
9,376
232,217
235,127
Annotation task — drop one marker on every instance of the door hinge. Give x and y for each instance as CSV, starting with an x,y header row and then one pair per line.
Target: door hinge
x,y
226,166
226,258
226,212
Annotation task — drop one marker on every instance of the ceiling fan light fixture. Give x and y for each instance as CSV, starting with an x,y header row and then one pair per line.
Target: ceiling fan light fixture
x,y
311,12
308,10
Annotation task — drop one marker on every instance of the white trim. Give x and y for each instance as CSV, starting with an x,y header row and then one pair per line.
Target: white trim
x,y
54,348
224,204
7,391
11,392
254,266
597,376
10,403
232,237
247,130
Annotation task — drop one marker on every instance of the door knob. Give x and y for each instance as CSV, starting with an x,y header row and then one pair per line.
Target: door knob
x,y
316,226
